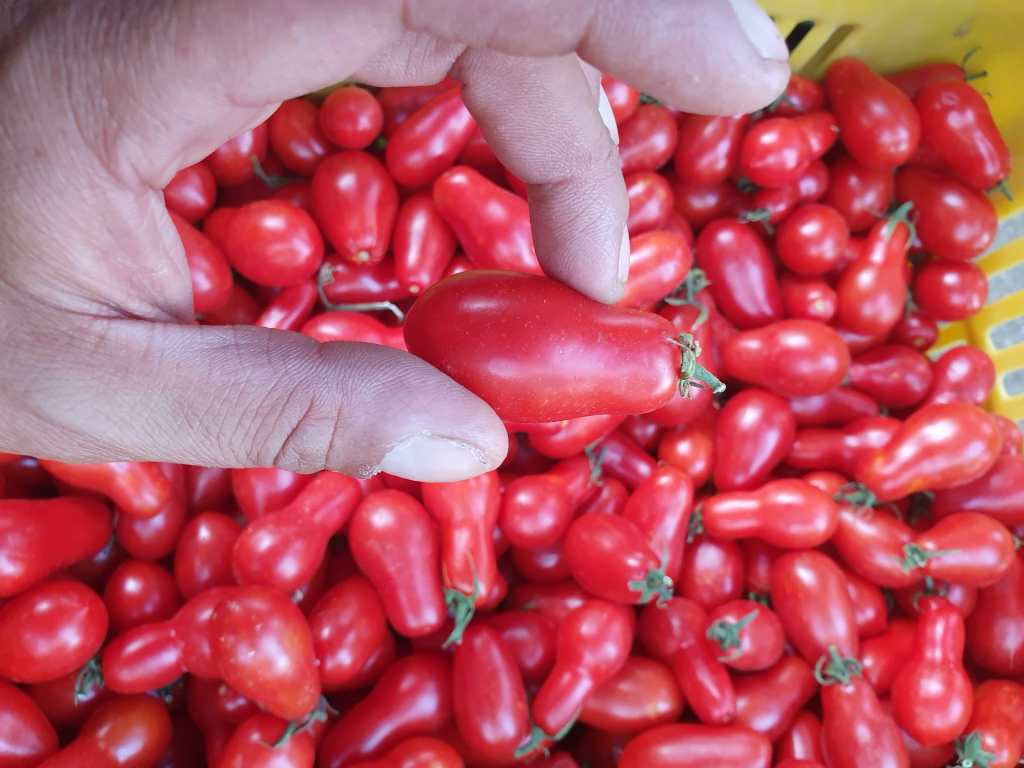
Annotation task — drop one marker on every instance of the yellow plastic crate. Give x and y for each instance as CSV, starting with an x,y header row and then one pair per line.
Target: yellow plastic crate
x,y
891,36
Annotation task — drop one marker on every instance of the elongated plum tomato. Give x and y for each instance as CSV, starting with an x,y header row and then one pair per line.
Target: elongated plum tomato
x,y
536,350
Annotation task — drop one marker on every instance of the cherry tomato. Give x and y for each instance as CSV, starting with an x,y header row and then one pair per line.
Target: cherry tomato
x,y
883,655
932,696
753,433
644,430
427,143
254,744
712,571
191,193
869,605
964,547
552,601
26,736
610,498
690,448
856,729
422,243
953,220
860,194
879,126
700,203
841,449
725,746
232,162
154,537
647,139
820,130
999,494
641,695
871,542
801,740
749,635
802,95
274,243
708,149
211,275
139,592
658,263
351,117
660,507
921,455
837,407
811,240
996,726
894,376
353,326
916,329
872,290
126,731
739,267
774,152
785,513
995,630
136,488
622,98
956,123
202,558
355,202
963,373
950,290
766,702
241,308
296,136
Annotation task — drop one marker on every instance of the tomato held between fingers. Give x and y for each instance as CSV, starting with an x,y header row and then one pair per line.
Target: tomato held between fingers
x,y
207,266
650,202
136,488
232,162
622,97
192,192
647,139
422,243
658,262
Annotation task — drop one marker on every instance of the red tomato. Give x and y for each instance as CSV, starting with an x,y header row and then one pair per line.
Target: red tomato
x,y
398,103
856,729
139,592
422,243
622,98
26,736
801,741
660,507
725,746
872,290
956,123
878,124
965,547
998,494
232,162
995,630
802,95
202,558
570,436
950,290
535,511
258,743
126,731
869,605
191,193
552,601
611,558
241,309
963,373
932,696
154,537
922,455
749,635
351,117
424,752
345,283
274,243
610,498
916,329
353,326
207,488
296,136
893,375
290,309
871,542
996,726
700,203
593,643
766,702
912,80
529,637
641,695
355,202
883,655
409,586
785,513
820,130
708,150
650,202
953,221
840,450
712,571
812,239
835,408
740,270
810,596
753,433
427,143
658,262
860,194
690,448
774,152
647,139
211,275
136,488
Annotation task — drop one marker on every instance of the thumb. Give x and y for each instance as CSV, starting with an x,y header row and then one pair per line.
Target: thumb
x,y
247,396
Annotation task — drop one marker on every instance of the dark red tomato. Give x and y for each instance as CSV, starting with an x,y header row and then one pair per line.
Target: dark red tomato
x,y
802,95
774,152
422,243
810,596
820,130
954,221
136,488
998,494
912,80
812,239
297,193
217,710
202,557
922,456
570,436
650,202
610,557
151,538
950,290
766,702
725,746
535,512
256,743
893,375
622,98
38,537
995,630
957,124
883,655
414,697
700,203
647,139
50,630
856,729
353,326
296,136
712,572
552,601
274,243
800,741
869,605
427,143
872,290
871,542
739,267
351,117
641,695
753,433
644,430
932,695
610,498
996,726
241,309
633,366
658,263
757,564
399,102
26,736
355,202
708,149
966,548
785,513
290,309
860,194
660,507
488,698
191,193
916,329
125,731
879,126
346,283
963,373
749,635
231,163
139,592
690,448
963,597
264,490
837,407
841,449
790,357
68,701
207,488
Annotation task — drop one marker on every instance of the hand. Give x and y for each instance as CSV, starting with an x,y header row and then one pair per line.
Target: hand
x,y
104,101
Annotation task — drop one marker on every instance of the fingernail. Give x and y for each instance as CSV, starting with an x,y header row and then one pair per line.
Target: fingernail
x,y
433,459
624,257
604,108
760,30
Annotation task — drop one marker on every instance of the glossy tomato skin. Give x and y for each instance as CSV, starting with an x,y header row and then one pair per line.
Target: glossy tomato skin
x,y
953,221
647,139
397,103
801,740
916,328
856,729
708,149
810,597
650,202
878,123
427,143
883,655
956,123
700,203
999,494
811,239
749,635
26,736
622,97
998,721
231,163
753,434
154,537
593,643
712,571
274,243
785,513
296,136
869,606
860,194
658,262
353,326
140,592
774,152
252,746
660,507
355,202
49,630
202,558
893,375
191,193
207,266
872,289
871,541
535,512
351,117
921,455
727,746
739,267
841,449
950,290
422,243
807,298
599,359
834,408
932,695
995,630
962,373
691,449
767,702
409,586
136,488
967,548
790,357
353,283
641,695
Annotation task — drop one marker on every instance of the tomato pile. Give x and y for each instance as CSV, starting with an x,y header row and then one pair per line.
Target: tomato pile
x,y
814,563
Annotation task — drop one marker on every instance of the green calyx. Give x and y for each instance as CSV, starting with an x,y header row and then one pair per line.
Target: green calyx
x,y
856,495
318,714
274,182
326,276
691,373
727,633
90,678
695,527
538,738
655,584
461,607
915,557
595,458
969,752
835,669
901,215
685,294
